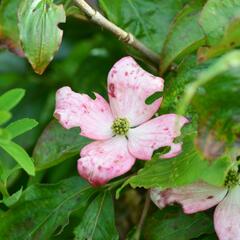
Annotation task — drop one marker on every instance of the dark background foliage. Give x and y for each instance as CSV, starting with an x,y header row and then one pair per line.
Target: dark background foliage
x,y
200,62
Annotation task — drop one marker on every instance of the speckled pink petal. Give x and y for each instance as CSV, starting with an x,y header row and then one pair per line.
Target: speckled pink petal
x,y
156,133
176,148
193,198
128,88
93,116
103,160
227,216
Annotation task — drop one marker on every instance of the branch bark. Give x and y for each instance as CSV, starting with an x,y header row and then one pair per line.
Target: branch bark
x,y
122,35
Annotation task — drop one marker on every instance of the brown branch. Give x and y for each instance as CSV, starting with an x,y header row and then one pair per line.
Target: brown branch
x,y
122,35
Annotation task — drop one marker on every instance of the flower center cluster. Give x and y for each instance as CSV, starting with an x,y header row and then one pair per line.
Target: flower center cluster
x,y
120,126
232,179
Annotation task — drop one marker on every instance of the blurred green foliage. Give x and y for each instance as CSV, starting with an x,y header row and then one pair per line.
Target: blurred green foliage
x,y
194,40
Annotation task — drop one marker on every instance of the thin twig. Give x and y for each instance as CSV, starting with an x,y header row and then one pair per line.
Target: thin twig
x,y
79,16
143,216
122,35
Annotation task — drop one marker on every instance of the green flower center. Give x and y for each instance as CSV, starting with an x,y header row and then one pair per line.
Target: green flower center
x,y
120,126
232,179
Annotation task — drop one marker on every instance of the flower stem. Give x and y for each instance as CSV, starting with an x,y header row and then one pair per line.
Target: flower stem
x,y
143,216
122,35
115,184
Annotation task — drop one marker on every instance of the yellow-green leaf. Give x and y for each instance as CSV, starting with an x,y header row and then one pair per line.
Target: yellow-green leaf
x,y
39,31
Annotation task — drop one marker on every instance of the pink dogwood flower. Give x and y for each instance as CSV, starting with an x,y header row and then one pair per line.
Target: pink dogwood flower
x,y
122,130
201,196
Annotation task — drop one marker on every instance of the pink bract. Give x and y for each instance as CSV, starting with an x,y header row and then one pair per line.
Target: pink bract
x,y
202,196
112,155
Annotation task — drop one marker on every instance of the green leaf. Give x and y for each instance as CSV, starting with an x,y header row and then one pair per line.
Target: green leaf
x,y
179,42
217,91
11,200
231,39
176,82
20,155
44,208
6,172
57,144
216,16
186,168
98,220
4,116
172,223
21,126
9,34
148,20
11,98
39,31
4,134
149,100
217,171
